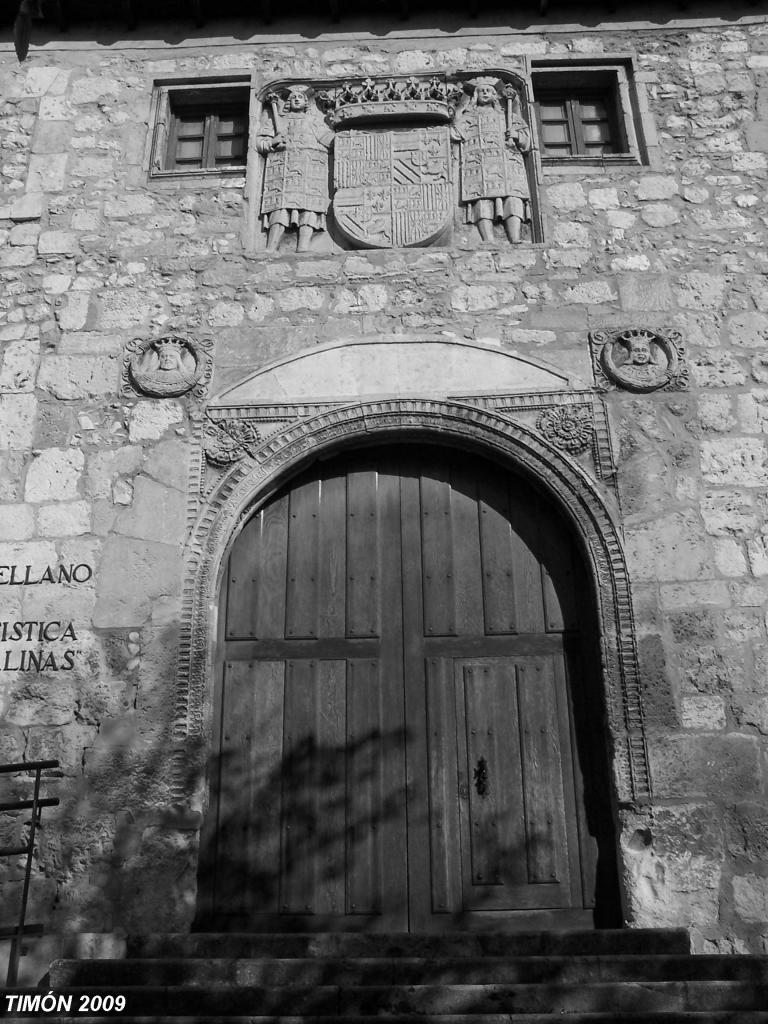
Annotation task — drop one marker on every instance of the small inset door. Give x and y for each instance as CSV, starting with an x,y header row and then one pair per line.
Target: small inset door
x,y
406,738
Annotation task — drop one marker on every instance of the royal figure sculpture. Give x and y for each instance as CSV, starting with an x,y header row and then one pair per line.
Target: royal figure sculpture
x,y
494,182
294,141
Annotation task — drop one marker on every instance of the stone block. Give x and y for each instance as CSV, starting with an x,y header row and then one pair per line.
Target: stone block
x,y
64,519
730,559
19,256
30,206
148,421
714,765
54,475
17,421
673,867
47,173
16,522
474,298
58,242
590,292
747,831
42,701
755,164
226,314
739,460
645,292
72,312
689,595
69,377
659,215
716,368
157,513
750,897
702,712
132,575
571,234
656,186
52,136
658,700
749,329
668,548
19,365
603,198
699,290
24,234
567,196
105,467
168,463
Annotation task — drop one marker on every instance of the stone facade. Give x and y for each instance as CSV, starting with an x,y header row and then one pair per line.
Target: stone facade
x,y
109,481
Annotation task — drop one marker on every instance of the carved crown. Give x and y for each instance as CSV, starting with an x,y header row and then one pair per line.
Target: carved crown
x,y
411,99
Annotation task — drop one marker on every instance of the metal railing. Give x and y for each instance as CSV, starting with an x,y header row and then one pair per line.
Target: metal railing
x,y
36,804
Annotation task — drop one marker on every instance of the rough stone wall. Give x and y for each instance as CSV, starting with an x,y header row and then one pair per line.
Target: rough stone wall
x,y
94,255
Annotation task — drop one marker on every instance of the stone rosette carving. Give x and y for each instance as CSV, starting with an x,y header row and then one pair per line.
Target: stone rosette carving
x,y
227,441
567,427
639,360
167,367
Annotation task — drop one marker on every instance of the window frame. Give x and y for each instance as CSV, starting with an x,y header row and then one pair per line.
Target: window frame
x,y
612,80
173,100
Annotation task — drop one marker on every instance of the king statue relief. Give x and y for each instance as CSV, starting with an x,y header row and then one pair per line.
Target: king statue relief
x,y
494,183
295,143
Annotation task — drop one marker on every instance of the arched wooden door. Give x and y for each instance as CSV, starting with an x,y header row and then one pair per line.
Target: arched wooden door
x,y
407,737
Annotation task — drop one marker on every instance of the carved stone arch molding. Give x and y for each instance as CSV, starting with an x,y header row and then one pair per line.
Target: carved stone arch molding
x,y
253,479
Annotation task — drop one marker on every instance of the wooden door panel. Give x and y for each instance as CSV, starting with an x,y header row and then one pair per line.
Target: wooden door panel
x,y
396,743
250,771
497,775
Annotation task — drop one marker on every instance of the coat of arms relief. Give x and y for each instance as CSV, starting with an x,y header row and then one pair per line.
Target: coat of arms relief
x,y
390,163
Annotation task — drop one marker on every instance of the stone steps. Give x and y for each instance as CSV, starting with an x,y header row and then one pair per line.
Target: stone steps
x,y
197,972
370,944
637,976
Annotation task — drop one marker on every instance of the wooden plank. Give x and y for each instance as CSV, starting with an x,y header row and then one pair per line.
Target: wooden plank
x,y
444,823
467,580
300,799
329,782
516,645
393,826
270,608
273,650
301,598
333,556
495,803
563,585
364,824
524,510
419,889
266,681
496,555
363,554
249,801
243,581
437,553
545,822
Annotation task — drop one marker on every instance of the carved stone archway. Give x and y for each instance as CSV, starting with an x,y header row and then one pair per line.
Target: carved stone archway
x,y
252,480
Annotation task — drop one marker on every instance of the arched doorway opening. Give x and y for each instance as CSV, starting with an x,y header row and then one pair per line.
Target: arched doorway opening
x,y
409,727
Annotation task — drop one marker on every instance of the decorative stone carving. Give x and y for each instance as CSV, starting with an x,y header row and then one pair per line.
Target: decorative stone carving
x,y
393,188
295,142
394,142
639,360
167,367
567,427
494,182
387,420
228,441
